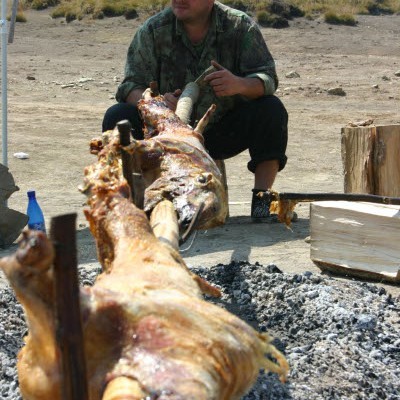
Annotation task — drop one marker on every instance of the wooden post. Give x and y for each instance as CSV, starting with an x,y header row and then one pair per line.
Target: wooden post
x,y
371,159
69,332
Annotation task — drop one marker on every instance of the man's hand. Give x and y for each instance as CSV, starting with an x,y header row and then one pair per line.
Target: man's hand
x,y
172,99
225,83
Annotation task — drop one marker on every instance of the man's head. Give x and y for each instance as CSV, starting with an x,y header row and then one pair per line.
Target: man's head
x,y
189,11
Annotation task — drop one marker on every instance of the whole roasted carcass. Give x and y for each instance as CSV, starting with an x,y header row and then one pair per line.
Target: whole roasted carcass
x,y
148,333
176,166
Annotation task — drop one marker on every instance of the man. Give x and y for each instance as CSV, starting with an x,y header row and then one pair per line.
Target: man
x,y
175,46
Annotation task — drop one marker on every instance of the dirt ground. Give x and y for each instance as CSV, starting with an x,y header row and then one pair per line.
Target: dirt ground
x,y
62,77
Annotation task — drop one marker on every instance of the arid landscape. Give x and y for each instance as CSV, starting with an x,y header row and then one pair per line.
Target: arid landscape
x,y
63,76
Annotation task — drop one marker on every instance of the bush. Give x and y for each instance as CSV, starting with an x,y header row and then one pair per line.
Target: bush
x,y
70,16
266,19
336,19
295,11
378,7
131,14
237,4
20,17
279,7
42,4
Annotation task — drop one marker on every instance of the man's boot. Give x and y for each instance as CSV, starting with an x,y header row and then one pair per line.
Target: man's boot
x,y
260,208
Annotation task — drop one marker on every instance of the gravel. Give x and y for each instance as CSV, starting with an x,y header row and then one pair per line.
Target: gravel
x,y
341,338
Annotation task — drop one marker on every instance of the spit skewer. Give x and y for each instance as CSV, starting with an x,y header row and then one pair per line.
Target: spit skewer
x,y
308,197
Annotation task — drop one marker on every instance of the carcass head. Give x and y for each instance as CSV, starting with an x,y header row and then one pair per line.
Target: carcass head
x,y
207,198
200,196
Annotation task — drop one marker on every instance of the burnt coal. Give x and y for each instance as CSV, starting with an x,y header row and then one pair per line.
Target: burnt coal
x,y
341,338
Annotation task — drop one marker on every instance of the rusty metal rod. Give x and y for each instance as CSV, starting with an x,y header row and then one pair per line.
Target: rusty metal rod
x,y
69,334
306,197
124,129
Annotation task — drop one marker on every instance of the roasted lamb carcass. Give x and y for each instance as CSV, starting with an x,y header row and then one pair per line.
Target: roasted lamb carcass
x,y
148,333
177,167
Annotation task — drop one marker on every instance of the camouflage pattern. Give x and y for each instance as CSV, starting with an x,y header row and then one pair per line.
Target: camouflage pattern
x,y
161,51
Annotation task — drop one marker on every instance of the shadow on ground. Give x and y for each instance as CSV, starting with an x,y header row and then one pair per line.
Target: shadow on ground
x,y
240,236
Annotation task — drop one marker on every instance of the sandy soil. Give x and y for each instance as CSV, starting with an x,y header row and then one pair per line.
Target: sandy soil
x,y
62,77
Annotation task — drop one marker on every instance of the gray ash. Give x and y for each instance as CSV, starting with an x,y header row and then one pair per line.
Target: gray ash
x,y
341,338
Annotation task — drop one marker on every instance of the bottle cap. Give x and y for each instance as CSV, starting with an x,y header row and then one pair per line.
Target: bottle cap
x,y
31,194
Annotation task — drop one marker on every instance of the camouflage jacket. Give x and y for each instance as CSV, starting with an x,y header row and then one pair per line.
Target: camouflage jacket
x,y
161,51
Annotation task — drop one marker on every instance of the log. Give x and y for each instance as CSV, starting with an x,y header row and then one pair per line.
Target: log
x,y
356,239
371,159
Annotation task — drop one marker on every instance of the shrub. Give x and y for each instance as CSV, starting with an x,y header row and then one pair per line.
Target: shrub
x,y
42,4
131,14
70,16
237,4
264,18
279,7
20,17
295,11
336,19
378,7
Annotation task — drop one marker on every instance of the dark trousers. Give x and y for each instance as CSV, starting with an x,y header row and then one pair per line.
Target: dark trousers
x,y
258,125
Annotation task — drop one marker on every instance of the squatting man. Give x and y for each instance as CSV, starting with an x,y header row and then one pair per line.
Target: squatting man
x,y
175,47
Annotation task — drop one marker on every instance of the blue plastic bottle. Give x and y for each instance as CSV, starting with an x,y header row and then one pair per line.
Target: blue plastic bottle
x,y
35,214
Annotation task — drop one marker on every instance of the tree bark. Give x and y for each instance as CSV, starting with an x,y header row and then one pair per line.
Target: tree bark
x,y
371,159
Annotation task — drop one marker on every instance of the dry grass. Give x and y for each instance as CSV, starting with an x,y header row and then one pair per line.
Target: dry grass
x,y
342,9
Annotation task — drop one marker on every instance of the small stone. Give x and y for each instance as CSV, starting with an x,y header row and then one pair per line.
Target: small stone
x,y
377,354
397,73
385,78
313,294
84,80
292,74
366,322
30,78
337,91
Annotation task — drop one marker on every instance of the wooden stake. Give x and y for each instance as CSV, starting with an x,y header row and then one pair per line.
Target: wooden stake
x,y
69,334
164,222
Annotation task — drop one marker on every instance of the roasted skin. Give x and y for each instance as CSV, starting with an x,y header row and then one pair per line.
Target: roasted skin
x,y
177,167
147,330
